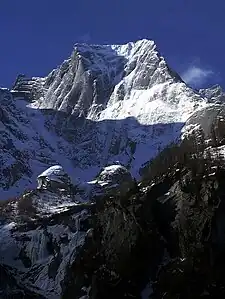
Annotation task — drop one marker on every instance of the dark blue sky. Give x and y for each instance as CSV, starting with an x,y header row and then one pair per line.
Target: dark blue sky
x,y
36,36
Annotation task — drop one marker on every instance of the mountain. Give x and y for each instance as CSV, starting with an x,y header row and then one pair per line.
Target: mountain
x,y
141,212
104,104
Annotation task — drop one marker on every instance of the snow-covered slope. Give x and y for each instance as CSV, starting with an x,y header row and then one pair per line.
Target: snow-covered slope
x,y
26,147
103,104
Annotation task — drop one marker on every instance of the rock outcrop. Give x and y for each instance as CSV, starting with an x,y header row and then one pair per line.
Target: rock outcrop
x,y
112,180
54,177
40,235
215,94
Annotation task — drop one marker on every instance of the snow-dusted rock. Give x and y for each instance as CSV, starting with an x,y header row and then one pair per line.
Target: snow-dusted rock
x,y
115,179
206,117
111,180
40,234
53,173
214,94
54,177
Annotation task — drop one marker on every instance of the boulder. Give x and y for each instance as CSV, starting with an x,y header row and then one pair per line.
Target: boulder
x,y
54,177
113,180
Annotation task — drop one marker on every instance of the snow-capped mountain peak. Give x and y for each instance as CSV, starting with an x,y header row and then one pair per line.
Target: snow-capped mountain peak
x,y
87,131
105,103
